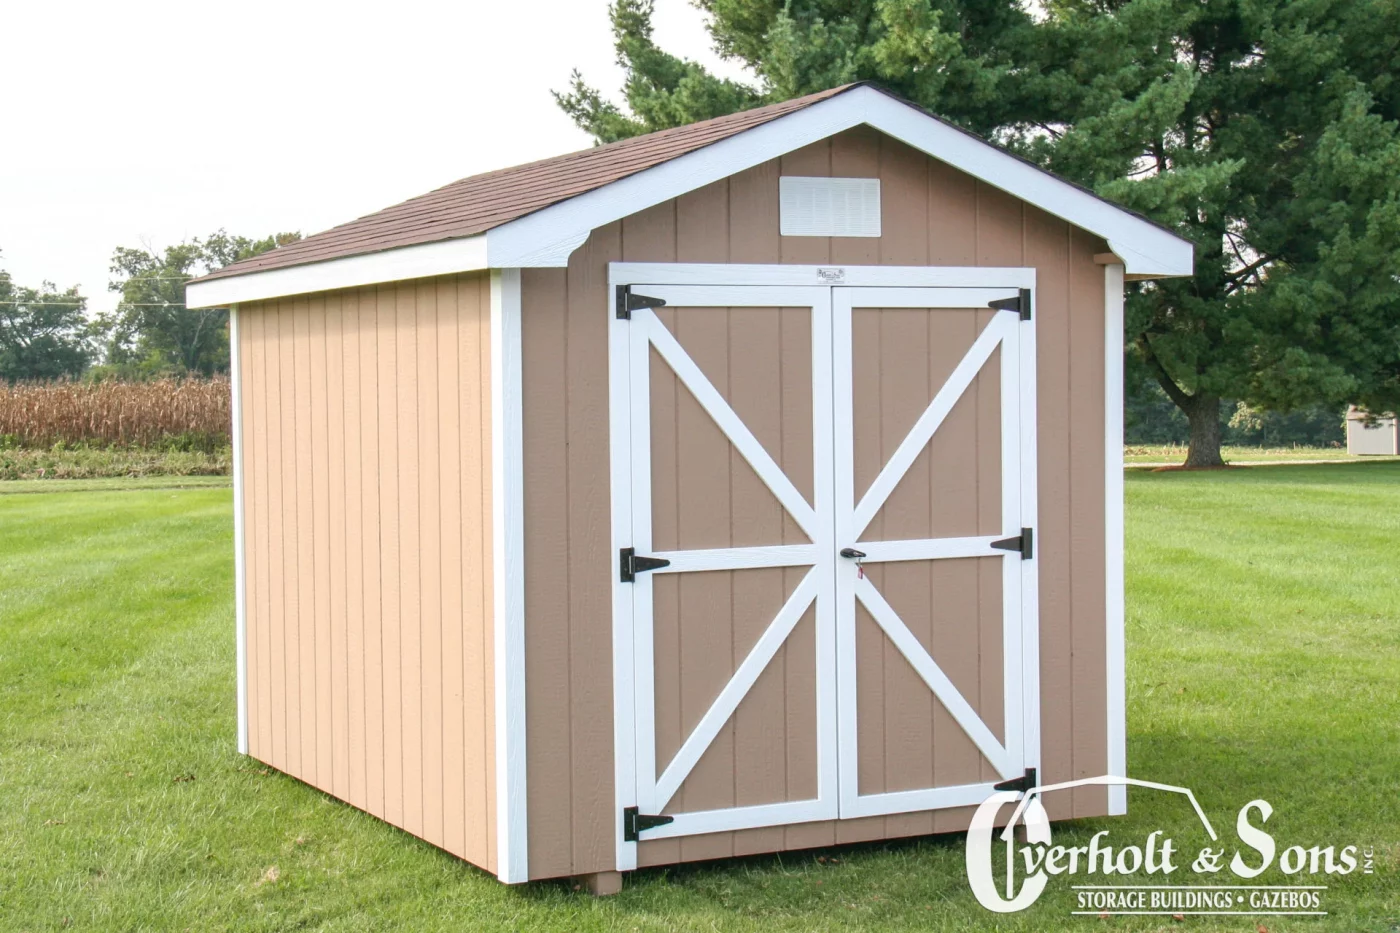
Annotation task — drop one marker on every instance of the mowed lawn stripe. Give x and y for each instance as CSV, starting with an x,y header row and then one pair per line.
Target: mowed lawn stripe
x,y
1264,647
1262,662
88,582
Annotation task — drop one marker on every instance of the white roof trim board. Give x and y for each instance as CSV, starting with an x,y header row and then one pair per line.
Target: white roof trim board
x,y
546,237
409,262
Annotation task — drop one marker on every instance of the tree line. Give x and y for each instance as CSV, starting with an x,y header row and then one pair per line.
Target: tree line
x,y
46,333
1265,131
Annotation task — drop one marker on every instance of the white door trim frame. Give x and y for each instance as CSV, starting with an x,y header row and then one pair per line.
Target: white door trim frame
x,y
620,492
630,352
1020,626
675,274
632,343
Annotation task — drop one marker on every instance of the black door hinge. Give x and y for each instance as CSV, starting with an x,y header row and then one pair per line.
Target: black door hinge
x,y
634,823
631,564
1023,783
627,302
1021,304
1023,542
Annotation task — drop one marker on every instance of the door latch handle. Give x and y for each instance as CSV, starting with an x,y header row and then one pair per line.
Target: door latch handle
x,y
851,553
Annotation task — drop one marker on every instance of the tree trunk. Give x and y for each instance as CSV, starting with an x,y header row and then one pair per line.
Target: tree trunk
x,y
1203,412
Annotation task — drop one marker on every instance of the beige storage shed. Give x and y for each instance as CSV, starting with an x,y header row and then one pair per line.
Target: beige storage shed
x,y
744,487
1374,437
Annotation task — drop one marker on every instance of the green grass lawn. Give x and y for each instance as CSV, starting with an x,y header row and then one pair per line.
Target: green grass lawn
x,y
1263,661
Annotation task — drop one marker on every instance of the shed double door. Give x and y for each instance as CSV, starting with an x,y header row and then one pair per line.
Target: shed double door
x,y
823,608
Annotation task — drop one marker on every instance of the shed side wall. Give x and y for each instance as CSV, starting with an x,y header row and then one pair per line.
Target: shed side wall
x,y
367,510
932,215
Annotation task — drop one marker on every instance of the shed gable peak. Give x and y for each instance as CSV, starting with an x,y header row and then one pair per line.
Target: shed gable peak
x,y
536,215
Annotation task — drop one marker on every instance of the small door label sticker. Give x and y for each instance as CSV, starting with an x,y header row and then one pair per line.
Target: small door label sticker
x,y
831,276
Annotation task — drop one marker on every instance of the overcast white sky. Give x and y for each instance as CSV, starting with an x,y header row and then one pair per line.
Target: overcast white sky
x,y
145,123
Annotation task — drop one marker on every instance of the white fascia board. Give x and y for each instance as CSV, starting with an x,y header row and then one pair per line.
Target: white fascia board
x,y
548,236
407,262
1146,248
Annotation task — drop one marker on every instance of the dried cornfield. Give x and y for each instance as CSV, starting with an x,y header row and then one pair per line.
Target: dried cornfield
x,y
123,414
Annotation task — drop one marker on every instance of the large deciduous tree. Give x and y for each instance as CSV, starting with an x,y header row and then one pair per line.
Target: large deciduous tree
x,y
44,332
1263,130
151,330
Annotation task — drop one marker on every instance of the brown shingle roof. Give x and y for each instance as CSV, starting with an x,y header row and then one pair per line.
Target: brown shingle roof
x,y
476,204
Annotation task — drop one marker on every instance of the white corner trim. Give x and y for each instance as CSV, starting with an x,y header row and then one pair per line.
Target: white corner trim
x,y
508,576
620,493
1113,534
1147,249
240,559
408,262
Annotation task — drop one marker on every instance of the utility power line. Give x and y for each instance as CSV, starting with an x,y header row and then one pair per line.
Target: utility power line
x,y
121,304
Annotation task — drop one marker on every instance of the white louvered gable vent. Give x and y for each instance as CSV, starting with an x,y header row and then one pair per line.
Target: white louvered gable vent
x,y
828,206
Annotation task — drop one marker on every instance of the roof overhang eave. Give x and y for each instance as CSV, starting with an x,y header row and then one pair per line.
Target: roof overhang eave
x,y
444,257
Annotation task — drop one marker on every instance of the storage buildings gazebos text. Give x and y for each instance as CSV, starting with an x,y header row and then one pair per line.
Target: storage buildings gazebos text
x,y
749,486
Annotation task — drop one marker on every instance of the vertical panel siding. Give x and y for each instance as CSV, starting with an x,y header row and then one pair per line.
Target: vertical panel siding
x,y
368,512
320,474
904,171
371,555
408,456
452,652
590,520
286,508
548,747
391,573
1089,752
337,584
299,485
430,510
350,453
932,215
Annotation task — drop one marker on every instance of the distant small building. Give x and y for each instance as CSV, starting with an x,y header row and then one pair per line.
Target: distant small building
x,y
1379,437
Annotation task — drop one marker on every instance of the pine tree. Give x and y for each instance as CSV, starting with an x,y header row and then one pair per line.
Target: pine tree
x,y
1263,130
